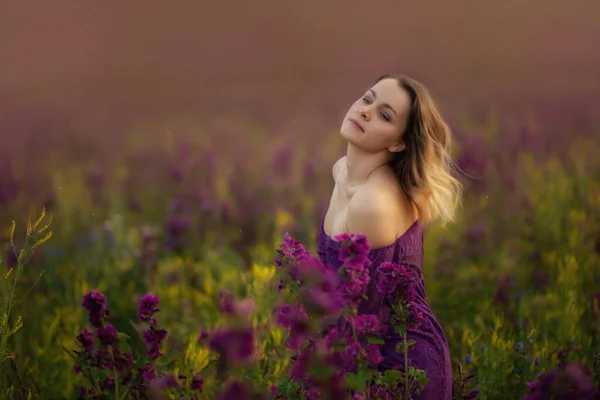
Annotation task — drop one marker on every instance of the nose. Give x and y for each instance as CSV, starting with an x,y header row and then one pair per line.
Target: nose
x,y
364,113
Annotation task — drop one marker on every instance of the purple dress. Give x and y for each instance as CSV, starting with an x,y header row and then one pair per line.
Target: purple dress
x,y
430,352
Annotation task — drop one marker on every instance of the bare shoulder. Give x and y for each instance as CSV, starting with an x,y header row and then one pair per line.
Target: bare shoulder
x,y
335,171
374,212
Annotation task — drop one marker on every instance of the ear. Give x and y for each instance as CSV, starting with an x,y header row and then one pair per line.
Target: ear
x,y
397,148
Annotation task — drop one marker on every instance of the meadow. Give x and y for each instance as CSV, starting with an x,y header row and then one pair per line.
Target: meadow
x,y
180,245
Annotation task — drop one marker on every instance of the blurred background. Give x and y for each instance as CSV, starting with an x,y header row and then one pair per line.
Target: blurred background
x,y
155,131
100,67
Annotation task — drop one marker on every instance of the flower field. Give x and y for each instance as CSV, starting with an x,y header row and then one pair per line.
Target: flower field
x,y
174,272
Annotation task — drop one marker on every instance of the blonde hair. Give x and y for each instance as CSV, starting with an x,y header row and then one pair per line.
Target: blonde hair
x,y
424,169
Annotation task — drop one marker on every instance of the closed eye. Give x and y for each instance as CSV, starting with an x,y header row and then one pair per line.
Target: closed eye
x,y
385,116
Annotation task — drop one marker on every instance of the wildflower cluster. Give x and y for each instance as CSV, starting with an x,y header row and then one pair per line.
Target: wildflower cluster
x,y
567,381
335,323
106,363
336,344
459,386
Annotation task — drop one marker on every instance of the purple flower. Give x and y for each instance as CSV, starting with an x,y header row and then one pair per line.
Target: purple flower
x,y
197,383
472,158
409,294
154,352
282,160
503,289
107,335
176,173
86,339
11,259
350,291
202,336
291,250
596,304
234,345
103,359
287,314
320,302
235,390
312,394
366,324
374,354
298,334
540,279
356,278
390,276
83,392
312,273
415,317
300,366
350,356
9,186
95,303
108,383
332,337
571,382
154,336
178,225
162,382
318,292
95,179
226,302
354,249
358,274
148,306
148,375
122,361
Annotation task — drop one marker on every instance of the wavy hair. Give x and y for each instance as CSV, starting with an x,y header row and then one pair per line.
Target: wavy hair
x,y
424,168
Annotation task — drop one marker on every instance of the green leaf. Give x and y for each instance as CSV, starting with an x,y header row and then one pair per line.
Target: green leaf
x,y
100,375
392,378
376,340
320,370
418,375
357,381
287,387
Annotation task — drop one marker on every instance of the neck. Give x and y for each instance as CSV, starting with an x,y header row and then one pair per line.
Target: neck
x,y
361,164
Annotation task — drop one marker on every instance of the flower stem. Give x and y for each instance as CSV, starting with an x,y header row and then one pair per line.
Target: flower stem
x,y
405,391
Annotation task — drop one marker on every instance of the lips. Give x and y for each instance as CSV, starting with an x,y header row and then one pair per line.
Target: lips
x,y
355,123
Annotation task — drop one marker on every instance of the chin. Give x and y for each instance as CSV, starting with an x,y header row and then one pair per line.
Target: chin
x,y
348,131
346,134
343,130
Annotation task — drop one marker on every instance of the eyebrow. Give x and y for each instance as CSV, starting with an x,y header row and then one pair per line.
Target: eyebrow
x,y
386,105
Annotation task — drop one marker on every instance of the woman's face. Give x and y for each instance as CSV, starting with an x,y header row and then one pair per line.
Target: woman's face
x,y
376,120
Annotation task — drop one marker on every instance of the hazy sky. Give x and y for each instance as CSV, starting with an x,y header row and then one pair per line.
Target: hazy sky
x,y
150,57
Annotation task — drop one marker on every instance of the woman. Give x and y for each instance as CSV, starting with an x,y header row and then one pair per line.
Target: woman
x,y
394,179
